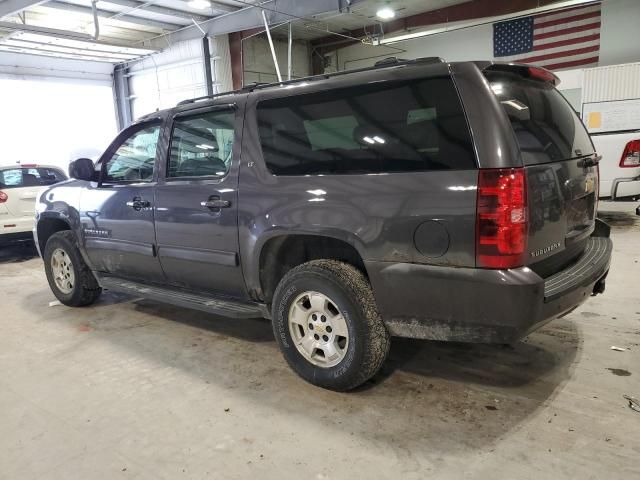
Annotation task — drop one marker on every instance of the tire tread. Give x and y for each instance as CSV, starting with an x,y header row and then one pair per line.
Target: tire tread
x,y
89,290
357,288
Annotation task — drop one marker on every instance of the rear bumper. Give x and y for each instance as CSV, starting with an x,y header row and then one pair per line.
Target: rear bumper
x,y
477,305
621,187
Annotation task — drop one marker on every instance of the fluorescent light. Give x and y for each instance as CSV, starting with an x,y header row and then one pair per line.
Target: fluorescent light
x,y
369,140
379,139
385,13
200,4
204,146
452,26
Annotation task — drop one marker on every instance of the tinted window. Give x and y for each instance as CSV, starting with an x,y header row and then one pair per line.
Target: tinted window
x,y
134,158
202,145
546,126
30,177
372,128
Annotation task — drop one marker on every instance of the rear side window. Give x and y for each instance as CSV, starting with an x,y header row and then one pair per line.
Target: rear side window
x,y
372,128
202,145
30,177
546,126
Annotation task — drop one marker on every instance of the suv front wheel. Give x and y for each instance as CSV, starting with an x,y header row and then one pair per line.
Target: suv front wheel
x,y
69,277
327,324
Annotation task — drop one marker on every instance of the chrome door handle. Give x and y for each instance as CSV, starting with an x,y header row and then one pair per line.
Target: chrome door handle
x,y
216,203
138,204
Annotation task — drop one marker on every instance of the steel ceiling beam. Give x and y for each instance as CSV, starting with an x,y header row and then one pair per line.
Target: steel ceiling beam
x,y
9,7
52,32
277,11
159,10
122,18
69,35
31,44
86,54
44,53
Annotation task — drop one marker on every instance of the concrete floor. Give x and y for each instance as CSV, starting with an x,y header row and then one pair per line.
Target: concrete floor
x,y
132,389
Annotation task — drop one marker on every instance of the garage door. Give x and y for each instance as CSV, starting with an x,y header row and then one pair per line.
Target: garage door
x,y
53,120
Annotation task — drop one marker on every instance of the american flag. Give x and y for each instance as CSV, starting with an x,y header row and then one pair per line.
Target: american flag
x,y
563,39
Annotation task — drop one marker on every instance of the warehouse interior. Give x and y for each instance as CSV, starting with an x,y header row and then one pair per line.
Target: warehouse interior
x,y
134,388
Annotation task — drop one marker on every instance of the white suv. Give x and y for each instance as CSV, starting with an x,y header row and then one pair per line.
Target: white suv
x,y
19,188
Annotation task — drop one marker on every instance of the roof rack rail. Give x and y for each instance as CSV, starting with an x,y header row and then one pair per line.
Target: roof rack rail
x,y
387,62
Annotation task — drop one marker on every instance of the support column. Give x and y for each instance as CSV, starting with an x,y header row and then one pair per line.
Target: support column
x,y
206,57
121,96
235,51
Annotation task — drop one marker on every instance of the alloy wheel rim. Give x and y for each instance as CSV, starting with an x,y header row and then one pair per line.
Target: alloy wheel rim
x,y
318,329
62,270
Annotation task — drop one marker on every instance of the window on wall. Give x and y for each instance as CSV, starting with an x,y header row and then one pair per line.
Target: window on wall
x,y
202,145
377,128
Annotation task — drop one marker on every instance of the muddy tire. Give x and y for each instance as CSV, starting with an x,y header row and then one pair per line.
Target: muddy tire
x,y
69,277
327,325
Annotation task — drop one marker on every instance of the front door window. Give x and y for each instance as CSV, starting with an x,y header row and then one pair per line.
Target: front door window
x,y
133,161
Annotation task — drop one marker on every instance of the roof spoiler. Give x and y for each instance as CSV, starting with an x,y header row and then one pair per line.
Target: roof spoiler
x,y
533,72
386,62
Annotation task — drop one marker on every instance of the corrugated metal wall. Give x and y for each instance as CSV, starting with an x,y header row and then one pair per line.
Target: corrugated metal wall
x,y
616,82
258,62
177,73
221,63
163,79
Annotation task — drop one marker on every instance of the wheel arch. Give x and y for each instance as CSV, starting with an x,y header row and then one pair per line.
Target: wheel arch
x,y
280,253
47,226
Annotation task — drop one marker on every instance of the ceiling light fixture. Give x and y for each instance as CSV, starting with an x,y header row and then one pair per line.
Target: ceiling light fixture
x,y
200,4
453,26
385,13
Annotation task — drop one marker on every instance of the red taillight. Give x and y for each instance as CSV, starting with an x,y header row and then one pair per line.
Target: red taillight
x,y
3,197
501,237
631,155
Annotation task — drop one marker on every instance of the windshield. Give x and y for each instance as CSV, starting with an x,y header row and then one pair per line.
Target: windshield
x,y
546,126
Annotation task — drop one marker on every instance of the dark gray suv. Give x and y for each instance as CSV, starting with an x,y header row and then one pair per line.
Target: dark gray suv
x,y
423,199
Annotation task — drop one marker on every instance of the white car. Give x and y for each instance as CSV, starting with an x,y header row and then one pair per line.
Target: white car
x,y
620,164
19,188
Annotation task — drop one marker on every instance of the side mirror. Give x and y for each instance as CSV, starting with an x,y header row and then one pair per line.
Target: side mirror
x,y
82,169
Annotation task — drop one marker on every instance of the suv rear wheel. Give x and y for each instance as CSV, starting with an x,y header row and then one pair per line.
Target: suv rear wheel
x,y
69,277
327,324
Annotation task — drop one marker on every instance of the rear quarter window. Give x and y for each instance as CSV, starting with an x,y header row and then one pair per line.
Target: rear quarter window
x,y
372,128
30,177
546,127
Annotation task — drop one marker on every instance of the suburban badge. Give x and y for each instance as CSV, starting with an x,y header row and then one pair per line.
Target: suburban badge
x,y
546,249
